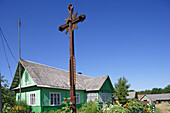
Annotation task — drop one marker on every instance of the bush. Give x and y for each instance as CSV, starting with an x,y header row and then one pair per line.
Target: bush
x,y
90,107
134,106
20,107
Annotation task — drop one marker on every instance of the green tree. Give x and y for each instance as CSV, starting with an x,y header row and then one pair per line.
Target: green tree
x,y
166,89
7,95
156,91
121,89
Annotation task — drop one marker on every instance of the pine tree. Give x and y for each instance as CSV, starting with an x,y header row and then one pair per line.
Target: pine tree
x,y
121,89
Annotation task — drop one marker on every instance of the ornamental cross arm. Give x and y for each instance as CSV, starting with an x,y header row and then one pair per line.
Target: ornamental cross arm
x,y
81,18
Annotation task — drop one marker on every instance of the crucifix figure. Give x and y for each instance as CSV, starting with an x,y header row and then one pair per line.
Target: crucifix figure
x,y
69,26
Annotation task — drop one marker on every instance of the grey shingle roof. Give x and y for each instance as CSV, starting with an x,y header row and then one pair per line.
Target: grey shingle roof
x,y
155,97
45,76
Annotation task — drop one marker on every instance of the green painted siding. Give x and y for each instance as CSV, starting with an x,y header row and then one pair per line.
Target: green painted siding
x,y
107,87
82,96
25,96
64,94
26,79
145,98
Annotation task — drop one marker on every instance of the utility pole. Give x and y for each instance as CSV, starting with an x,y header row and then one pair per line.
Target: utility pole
x,y
0,95
69,26
19,25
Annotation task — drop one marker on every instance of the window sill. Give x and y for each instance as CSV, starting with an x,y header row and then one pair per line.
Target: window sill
x,y
33,105
56,105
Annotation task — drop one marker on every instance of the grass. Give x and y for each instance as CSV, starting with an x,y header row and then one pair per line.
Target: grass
x,y
157,110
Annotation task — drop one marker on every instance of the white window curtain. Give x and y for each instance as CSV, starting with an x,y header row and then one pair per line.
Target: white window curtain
x,y
55,98
32,98
77,98
91,96
103,97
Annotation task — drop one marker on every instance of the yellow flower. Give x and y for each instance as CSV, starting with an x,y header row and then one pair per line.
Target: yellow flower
x,y
117,102
132,103
20,107
17,108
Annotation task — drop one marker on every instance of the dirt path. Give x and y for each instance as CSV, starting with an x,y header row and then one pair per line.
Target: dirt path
x,y
163,108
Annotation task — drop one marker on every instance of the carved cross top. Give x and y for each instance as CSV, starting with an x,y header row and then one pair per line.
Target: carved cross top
x,y
73,19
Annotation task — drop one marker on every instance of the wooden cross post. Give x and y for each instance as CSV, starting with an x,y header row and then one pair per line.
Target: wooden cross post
x,y
69,26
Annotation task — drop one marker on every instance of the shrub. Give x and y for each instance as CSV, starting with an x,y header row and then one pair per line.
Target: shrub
x,y
134,106
90,107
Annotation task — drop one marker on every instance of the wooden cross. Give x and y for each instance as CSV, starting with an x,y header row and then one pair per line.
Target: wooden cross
x,y
69,26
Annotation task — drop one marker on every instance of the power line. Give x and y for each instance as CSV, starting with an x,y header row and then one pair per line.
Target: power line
x,y
6,56
8,45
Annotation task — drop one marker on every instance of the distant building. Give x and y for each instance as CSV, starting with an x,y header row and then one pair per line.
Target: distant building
x,y
156,98
140,96
131,95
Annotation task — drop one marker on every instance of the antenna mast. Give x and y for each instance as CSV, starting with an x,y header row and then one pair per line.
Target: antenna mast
x,y
19,25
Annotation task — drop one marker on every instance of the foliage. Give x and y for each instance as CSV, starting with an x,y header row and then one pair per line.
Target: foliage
x,y
7,95
20,107
157,110
109,101
147,108
121,89
65,109
155,91
134,106
90,107
114,109
166,89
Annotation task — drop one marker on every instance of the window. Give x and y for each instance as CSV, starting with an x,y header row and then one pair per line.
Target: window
x,y
26,77
55,98
91,97
32,98
103,97
77,98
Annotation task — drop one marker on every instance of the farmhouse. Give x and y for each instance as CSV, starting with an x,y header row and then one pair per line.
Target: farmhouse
x,y
156,98
44,88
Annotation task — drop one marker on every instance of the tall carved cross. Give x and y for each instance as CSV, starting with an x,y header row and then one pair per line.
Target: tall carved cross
x,y
69,26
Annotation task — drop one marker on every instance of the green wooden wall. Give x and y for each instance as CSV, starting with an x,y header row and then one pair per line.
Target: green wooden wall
x,y
64,94
24,81
107,87
25,93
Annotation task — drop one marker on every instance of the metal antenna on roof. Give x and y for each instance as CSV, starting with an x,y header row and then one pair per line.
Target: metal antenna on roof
x,y
19,25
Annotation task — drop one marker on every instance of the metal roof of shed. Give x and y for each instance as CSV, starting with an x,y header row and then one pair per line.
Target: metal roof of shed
x,y
155,97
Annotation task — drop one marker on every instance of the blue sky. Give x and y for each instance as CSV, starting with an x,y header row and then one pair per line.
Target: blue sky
x,y
119,38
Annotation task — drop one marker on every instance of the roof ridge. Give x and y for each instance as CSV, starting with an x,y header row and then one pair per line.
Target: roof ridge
x,y
44,65
101,76
53,67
